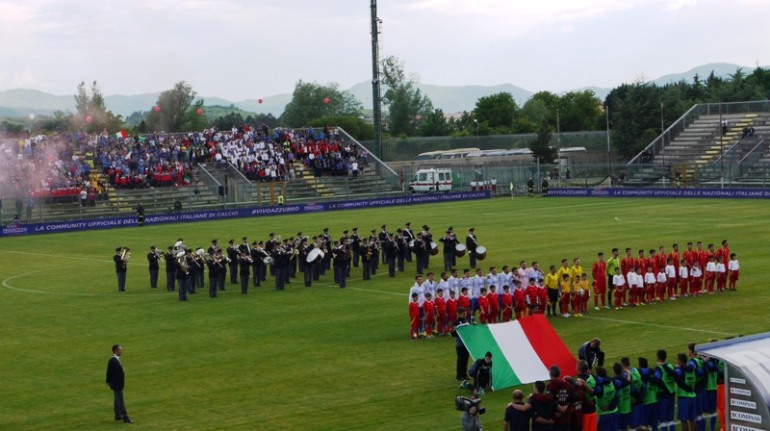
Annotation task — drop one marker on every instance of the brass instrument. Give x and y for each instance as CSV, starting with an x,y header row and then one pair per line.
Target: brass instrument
x,y
125,254
181,258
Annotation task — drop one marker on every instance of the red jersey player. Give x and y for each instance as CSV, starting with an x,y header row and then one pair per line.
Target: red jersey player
x,y
484,309
494,307
414,317
599,272
519,299
464,301
507,305
430,315
441,315
533,299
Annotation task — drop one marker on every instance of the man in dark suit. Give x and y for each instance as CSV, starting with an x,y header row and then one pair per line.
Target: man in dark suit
x,y
116,379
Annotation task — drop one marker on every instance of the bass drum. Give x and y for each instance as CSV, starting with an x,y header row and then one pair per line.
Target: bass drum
x,y
481,252
433,249
460,250
314,255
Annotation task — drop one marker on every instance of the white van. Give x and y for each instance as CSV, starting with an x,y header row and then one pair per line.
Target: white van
x,y
431,180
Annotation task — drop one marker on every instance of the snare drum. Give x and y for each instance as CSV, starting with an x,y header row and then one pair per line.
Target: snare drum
x,y
460,250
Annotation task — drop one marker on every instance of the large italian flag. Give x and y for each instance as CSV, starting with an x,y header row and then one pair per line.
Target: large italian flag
x,y
522,350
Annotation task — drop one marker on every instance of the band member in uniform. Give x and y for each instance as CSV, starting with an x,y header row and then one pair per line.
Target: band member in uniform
x,y
256,261
449,241
244,245
245,270
374,246
304,266
170,268
192,273
269,246
294,258
261,265
121,266
470,245
326,262
340,263
214,268
289,258
355,242
153,257
315,265
201,269
213,247
453,259
427,239
409,238
402,249
383,237
418,247
232,254
279,263
181,276
390,250
366,258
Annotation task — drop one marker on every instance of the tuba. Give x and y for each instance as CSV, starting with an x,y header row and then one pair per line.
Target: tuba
x,y
181,259
125,254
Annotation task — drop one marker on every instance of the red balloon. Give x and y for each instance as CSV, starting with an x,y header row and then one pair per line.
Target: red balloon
x,y
89,119
260,101
157,109
200,111
327,100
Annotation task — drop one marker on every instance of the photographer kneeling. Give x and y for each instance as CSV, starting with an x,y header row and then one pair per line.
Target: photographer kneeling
x,y
481,373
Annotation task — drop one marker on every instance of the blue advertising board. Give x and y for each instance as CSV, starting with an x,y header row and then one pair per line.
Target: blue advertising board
x,y
221,214
660,193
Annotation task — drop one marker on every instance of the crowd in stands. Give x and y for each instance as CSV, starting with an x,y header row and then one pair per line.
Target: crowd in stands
x,y
49,167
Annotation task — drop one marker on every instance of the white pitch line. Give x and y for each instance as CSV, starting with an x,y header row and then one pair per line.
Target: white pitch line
x,y
631,322
47,292
361,289
59,256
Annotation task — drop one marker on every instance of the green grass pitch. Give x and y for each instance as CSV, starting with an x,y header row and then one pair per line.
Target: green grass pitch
x,y
323,358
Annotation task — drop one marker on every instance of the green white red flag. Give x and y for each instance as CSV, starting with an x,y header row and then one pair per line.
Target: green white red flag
x,y
522,350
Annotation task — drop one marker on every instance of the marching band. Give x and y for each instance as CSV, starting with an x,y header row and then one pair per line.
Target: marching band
x,y
249,263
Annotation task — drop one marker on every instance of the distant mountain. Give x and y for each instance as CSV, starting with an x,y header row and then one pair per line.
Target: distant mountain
x,y
451,99
723,70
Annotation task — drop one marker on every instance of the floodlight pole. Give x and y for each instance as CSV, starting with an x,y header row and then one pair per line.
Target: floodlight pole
x,y
607,118
721,149
376,99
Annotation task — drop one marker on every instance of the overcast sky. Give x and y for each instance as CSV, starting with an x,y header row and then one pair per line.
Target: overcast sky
x,y
245,49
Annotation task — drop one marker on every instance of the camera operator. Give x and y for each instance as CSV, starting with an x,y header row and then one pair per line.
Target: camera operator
x,y
470,419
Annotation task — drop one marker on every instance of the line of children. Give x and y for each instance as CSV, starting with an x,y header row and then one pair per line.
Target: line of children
x,y
636,281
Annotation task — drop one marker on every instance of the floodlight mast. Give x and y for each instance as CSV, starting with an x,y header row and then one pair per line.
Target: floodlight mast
x,y
376,98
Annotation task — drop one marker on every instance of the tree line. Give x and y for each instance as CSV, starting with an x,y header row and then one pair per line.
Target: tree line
x,y
636,110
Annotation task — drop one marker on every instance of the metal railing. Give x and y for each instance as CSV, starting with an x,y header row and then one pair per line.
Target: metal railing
x,y
694,113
